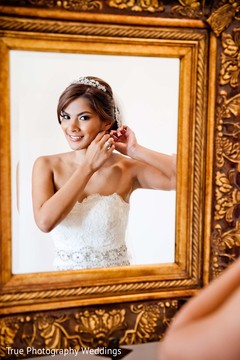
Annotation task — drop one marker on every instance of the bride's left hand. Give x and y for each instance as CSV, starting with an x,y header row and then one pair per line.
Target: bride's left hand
x,y
124,140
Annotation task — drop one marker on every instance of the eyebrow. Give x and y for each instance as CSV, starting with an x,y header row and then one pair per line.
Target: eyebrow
x,y
81,113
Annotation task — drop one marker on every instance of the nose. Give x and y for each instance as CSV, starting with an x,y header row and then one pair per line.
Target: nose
x,y
74,124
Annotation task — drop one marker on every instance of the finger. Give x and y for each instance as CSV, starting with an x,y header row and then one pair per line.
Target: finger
x,y
122,128
109,143
100,135
101,138
115,137
113,132
104,138
120,133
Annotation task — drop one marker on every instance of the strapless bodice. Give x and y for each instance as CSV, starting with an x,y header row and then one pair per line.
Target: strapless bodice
x,y
92,234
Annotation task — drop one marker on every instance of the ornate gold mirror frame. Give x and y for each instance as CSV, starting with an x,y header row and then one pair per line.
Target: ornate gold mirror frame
x,y
89,308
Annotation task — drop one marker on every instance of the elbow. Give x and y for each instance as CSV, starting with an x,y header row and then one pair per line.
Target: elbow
x,y
45,228
44,225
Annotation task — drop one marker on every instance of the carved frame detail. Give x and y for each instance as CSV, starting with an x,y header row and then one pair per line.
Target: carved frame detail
x,y
147,305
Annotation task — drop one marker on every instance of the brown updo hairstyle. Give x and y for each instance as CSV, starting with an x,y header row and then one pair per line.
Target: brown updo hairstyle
x,y
100,101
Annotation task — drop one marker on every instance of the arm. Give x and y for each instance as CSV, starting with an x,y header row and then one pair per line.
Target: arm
x,y
164,163
208,326
211,297
50,206
159,170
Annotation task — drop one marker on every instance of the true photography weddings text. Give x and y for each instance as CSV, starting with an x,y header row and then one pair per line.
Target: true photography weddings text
x,y
65,352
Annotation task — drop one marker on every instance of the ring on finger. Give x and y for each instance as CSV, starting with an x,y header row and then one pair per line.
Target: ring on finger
x,y
108,145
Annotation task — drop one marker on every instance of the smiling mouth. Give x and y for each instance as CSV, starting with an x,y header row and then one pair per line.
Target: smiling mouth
x,y
75,137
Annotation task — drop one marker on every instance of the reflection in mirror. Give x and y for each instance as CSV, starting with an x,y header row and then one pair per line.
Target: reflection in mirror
x,y
146,89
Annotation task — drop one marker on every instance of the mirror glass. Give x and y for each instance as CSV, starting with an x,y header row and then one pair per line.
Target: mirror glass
x,y
146,89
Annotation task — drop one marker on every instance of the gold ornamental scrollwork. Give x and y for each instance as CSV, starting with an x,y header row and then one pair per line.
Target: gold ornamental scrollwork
x,y
226,234
221,18
230,59
147,320
8,332
227,196
98,327
188,8
53,331
228,129
40,334
137,5
223,243
72,5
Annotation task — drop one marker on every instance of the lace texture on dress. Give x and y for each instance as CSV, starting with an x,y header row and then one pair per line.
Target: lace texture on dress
x,y
93,234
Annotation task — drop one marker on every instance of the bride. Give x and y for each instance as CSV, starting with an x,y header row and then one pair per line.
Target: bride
x,y
82,196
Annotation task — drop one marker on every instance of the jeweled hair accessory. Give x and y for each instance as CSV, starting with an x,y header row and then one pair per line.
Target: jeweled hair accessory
x,y
90,82
117,116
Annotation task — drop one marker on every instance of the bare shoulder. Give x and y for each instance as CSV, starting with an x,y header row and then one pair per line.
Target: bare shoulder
x,y
49,162
125,161
129,166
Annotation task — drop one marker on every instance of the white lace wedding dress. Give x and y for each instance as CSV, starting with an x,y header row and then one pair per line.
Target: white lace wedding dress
x,y
93,234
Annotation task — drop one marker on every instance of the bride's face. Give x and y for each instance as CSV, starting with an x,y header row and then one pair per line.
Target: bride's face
x,y
80,124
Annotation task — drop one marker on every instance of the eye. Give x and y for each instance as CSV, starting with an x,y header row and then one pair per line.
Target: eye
x,y
84,117
65,116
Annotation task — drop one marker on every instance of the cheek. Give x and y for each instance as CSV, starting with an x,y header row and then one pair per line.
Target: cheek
x,y
62,126
97,127
104,126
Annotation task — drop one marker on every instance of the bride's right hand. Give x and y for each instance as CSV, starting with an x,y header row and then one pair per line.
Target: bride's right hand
x,y
99,150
